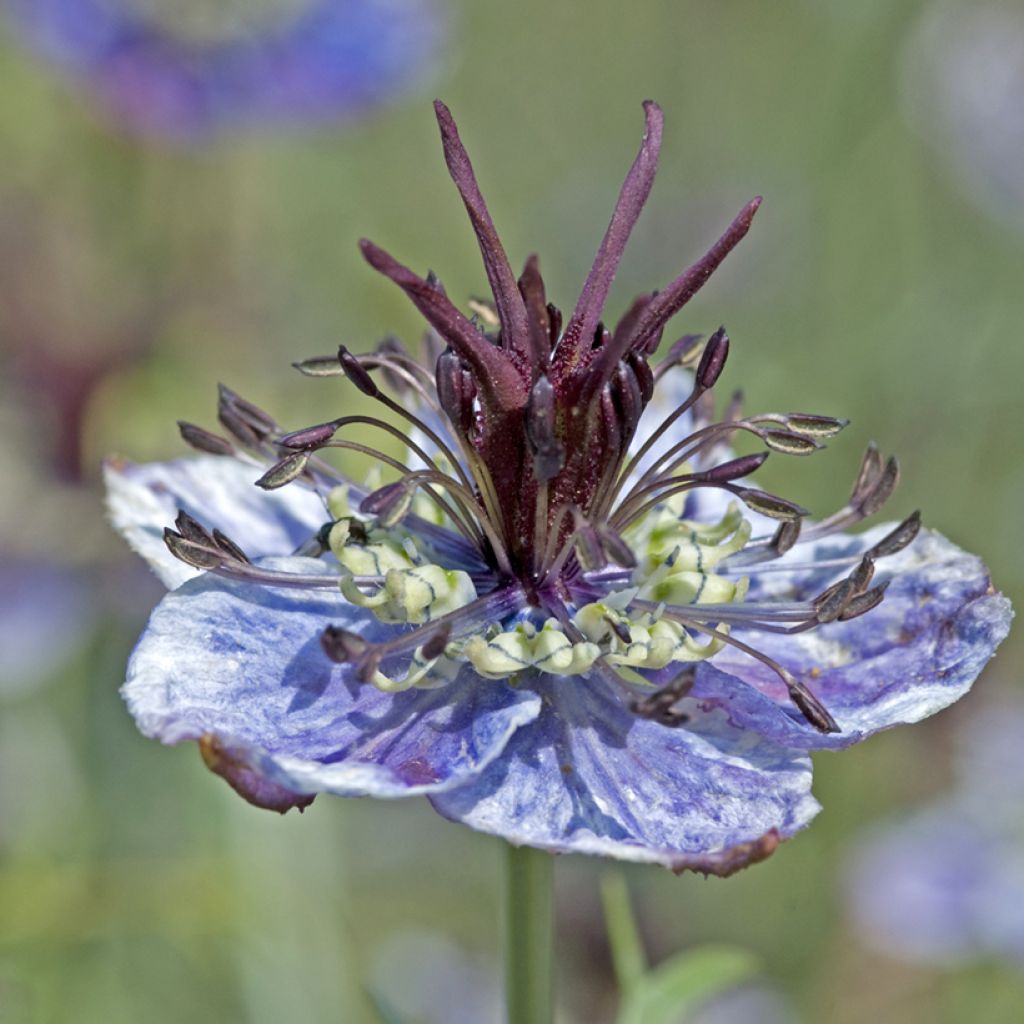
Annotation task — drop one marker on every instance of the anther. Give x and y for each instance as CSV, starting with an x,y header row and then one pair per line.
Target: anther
x,y
309,438
896,540
357,373
769,504
284,471
734,469
712,360
203,440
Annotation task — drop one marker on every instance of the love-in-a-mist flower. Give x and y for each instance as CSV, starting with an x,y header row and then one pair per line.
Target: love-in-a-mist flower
x,y
566,616
188,72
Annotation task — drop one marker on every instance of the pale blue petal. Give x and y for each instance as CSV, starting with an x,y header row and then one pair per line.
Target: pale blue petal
x,y
243,663
916,653
588,776
219,491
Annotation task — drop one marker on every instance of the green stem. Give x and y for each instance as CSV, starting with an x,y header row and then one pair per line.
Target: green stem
x,y
627,949
529,989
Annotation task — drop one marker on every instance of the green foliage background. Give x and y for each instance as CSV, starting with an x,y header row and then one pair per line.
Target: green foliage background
x,y
135,887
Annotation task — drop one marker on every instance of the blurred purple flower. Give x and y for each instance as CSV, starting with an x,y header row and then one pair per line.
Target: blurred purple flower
x,y
963,91
560,634
45,617
312,61
946,886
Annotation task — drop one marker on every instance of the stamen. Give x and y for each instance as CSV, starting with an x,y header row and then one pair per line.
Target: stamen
x,y
203,440
659,705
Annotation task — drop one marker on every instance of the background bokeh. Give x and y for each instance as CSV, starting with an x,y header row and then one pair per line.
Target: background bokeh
x,y
882,281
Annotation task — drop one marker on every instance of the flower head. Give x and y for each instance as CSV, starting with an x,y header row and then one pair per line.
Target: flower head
x,y
567,617
213,66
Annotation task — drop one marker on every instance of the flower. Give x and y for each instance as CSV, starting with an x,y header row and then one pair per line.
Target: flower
x,y
946,885
208,69
561,633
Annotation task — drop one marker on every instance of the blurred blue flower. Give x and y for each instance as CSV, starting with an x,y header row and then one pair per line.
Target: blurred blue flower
x,y
963,93
565,631
45,617
946,886
208,68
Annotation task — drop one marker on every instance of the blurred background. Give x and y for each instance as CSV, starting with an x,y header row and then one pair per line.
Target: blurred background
x,y
182,186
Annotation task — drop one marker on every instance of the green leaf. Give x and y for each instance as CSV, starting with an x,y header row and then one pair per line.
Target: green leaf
x,y
674,989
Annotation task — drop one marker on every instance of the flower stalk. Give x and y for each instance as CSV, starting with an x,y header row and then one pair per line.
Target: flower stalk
x,y
529,929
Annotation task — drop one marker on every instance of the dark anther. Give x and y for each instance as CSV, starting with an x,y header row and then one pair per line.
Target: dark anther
x,y
867,476
342,645
810,707
864,602
734,469
831,603
319,366
712,360
637,362
770,504
191,529
786,535
883,489
658,706
284,471
357,373
203,440
389,504
231,406
455,391
683,351
789,442
602,336
198,555
233,552
628,398
548,451
309,438
241,431
435,645
896,540
815,426
862,575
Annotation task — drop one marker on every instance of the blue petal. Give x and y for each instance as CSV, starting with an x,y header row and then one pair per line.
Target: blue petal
x,y
243,663
219,491
588,776
916,653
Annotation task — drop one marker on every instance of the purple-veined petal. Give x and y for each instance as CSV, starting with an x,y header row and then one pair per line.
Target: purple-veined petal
x,y
217,490
916,653
243,663
588,776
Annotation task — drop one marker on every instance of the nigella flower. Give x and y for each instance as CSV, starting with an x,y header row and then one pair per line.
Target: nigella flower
x,y
567,617
946,885
188,75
